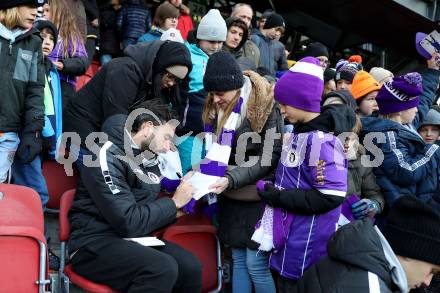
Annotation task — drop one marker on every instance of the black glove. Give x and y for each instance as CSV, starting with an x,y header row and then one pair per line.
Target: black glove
x,y
271,195
30,146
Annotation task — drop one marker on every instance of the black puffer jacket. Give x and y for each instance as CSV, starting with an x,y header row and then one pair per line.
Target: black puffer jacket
x,y
21,83
120,85
356,262
108,37
117,203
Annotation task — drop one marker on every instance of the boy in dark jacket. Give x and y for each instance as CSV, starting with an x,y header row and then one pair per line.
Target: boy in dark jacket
x,y
125,204
361,179
429,129
361,258
22,83
272,55
409,166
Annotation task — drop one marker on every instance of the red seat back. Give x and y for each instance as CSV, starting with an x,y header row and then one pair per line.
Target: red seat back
x,y
20,206
57,182
200,240
21,230
65,204
91,71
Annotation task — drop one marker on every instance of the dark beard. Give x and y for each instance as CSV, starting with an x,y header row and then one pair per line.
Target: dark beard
x,y
147,147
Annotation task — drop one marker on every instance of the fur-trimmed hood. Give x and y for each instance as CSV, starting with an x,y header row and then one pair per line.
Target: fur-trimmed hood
x,y
260,102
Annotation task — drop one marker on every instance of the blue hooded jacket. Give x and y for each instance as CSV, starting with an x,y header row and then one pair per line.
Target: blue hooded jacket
x,y
409,167
53,121
193,92
153,35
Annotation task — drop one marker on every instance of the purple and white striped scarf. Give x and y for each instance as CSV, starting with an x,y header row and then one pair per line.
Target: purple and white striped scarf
x,y
215,163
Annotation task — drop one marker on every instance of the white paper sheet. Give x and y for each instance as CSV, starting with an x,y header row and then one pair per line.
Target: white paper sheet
x,y
147,241
201,183
169,164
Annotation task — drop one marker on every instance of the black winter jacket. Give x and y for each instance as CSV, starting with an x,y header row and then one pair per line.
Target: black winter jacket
x,y
21,83
112,200
108,37
119,86
356,262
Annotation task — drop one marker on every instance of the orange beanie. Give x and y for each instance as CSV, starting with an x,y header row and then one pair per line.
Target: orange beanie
x,y
355,58
363,84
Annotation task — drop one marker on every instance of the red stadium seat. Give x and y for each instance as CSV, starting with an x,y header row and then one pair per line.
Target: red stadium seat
x,y
91,71
57,183
23,250
67,272
201,240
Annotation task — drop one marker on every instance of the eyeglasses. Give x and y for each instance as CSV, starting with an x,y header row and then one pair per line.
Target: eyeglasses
x,y
171,77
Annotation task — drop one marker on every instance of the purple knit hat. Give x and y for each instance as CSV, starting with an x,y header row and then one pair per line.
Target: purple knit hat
x,y
400,93
419,37
301,87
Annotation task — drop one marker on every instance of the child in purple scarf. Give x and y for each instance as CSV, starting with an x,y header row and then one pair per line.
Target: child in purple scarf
x,y
304,204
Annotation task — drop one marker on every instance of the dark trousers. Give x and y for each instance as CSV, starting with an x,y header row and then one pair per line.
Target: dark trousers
x,y
130,267
285,285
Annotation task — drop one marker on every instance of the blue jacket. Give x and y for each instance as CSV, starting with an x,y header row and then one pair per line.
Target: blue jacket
x,y
193,92
272,55
53,119
133,20
153,35
409,167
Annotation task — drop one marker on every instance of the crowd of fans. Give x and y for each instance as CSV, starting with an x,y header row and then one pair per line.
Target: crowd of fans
x,y
337,191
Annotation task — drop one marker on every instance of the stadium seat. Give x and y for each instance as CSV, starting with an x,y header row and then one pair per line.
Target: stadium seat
x,y
201,240
23,250
91,71
66,272
57,183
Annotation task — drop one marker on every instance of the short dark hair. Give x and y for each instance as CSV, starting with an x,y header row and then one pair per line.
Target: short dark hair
x,y
162,111
235,21
164,11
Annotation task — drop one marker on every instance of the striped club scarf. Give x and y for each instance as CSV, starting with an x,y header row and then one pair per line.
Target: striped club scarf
x,y
217,152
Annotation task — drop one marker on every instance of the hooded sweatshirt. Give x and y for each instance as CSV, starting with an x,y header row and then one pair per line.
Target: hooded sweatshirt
x,y
122,84
359,260
244,62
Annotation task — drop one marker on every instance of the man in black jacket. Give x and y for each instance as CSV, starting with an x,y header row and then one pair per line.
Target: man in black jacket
x,y
361,258
119,199
147,71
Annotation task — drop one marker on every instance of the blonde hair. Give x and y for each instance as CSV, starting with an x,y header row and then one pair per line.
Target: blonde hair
x,y
10,18
391,116
210,108
357,126
65,21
